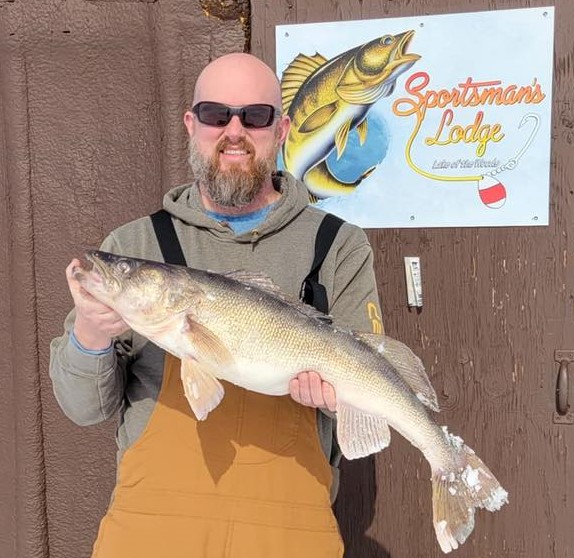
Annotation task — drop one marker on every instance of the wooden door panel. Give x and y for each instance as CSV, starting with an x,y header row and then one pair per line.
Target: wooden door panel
x,y
498,302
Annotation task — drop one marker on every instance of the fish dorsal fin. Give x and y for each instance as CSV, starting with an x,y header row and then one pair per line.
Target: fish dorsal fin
x,y
295,75
318,118
362,129
265,283
254,279
408,365
341,137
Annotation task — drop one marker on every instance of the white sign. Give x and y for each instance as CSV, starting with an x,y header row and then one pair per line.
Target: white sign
x,y
435,121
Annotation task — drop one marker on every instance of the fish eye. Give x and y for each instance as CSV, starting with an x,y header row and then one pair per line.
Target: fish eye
x,y
124,266
387,40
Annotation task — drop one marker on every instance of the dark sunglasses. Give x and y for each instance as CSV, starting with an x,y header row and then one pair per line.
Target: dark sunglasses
x,y
219,115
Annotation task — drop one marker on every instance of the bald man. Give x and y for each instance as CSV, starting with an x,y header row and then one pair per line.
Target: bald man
x,y
258,477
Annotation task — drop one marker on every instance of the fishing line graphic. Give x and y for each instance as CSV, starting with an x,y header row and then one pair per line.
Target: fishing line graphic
x,y
491,190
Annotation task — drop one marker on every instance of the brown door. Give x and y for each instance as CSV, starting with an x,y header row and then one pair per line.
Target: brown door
x,y
497,306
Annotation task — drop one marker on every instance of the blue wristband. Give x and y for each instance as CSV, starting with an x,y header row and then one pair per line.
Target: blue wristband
x,y
83,349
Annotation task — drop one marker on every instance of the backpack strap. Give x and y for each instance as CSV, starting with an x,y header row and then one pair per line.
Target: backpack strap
x,y
167,238
312,292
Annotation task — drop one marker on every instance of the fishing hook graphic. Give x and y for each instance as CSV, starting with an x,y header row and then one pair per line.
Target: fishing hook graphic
x,y
513,162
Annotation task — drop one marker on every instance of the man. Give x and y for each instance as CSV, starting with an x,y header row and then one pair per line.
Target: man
x,y
254,479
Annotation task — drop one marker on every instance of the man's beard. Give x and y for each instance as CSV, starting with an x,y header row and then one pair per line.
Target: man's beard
x,y
235,187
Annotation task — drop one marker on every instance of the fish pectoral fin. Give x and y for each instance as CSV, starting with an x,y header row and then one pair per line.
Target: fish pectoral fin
x,y
408,365
210,350
360,434
341,138
318,118
202,389
362,129
364,94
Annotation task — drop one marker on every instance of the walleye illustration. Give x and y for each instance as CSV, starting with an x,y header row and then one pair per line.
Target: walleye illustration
x,y
326,99
240,328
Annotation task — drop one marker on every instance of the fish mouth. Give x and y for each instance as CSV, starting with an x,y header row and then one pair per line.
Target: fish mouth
x,y
85,266
93,262
400,56
90,267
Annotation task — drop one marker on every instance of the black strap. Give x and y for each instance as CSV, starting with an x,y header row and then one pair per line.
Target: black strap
x,y
167,238
312,292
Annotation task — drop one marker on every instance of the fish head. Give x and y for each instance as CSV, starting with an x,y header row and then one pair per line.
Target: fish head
x,y
385,57
375,67
136,289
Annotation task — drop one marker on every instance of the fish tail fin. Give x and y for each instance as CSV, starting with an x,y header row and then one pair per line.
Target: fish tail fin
x,y
456,494
322,183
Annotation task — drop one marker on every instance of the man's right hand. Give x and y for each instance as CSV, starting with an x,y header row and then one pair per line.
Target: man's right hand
x,y
96,324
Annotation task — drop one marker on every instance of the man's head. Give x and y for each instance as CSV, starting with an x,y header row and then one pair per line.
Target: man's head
x,y
234,147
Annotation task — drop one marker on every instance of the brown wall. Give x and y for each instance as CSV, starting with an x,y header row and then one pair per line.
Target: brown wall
x,y
91,135
91,97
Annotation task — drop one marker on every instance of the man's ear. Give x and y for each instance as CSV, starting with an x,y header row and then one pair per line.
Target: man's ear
x,y
283,125
189,122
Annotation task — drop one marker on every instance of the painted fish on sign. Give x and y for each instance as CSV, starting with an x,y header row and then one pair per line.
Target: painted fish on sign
x,y
327,99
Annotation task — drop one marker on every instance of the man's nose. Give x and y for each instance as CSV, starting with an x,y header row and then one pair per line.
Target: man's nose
x,y
234,128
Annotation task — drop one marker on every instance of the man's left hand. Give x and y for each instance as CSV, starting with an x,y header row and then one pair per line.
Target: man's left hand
x,y
310,390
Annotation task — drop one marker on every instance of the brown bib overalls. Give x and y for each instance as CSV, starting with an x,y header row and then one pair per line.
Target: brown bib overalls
x,y
251,481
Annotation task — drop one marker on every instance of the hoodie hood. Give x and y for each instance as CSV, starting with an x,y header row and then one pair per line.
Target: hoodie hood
x,y
184,202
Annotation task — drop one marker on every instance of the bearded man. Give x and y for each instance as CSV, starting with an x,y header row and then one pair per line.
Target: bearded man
x,y
257,478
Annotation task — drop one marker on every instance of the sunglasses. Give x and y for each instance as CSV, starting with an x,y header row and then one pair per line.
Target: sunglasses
x,y
250,116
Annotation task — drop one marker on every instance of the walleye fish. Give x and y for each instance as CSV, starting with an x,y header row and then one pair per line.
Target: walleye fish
x,y
326,99
240,328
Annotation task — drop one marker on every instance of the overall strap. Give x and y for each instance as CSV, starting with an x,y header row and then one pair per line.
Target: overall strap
x,y
312,292
167,238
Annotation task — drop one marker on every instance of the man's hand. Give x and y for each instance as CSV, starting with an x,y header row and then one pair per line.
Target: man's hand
x,y
310,390
96,324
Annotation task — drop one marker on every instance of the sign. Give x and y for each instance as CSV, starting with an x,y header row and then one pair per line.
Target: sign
x,y
434,121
